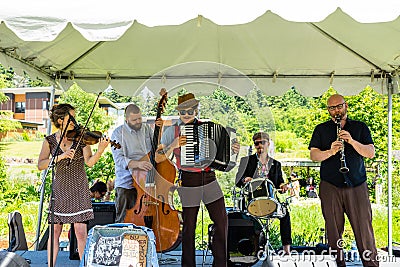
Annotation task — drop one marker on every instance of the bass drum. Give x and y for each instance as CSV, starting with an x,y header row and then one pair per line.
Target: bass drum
x,y
244,242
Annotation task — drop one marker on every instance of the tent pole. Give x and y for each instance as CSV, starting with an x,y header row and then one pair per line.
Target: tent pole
x,y
40,212
389,85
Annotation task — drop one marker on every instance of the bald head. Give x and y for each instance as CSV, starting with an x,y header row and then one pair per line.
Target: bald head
x,y
337,106
336,98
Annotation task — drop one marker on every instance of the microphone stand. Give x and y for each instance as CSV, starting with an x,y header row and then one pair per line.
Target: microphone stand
x,y
51,166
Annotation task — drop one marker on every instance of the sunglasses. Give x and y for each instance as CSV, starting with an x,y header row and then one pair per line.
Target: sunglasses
x,y
184,112
256,143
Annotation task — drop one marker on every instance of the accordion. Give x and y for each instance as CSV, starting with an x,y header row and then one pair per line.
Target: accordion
x,y
208,145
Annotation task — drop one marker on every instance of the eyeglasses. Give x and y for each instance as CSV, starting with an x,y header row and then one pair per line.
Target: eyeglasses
x,y
188,111
340,106
263,142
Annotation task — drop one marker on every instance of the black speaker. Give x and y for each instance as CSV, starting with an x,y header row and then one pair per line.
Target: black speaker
x,y
244,238
104,213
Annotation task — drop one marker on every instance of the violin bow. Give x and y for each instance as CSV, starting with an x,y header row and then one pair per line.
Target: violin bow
x,y
86,124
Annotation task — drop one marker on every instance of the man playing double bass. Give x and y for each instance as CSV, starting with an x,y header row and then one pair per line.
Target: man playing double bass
x,y
261,164
142,186
135,139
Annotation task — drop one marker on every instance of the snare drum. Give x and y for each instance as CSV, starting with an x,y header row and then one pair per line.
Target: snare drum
x,y
261,201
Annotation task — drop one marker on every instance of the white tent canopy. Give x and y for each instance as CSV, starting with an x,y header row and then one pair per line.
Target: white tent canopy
x,y
108,45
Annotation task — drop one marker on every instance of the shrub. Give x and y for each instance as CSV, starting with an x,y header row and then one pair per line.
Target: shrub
x,y
25,136
104,169
286,141
3,176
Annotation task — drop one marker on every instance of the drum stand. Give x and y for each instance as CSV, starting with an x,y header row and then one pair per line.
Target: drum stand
x,y
266,222
264,243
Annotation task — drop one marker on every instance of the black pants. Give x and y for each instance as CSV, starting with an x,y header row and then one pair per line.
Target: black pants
x,y
124,199
285,229
198,187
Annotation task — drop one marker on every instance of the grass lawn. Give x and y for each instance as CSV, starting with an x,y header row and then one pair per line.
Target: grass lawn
x,y
15,154
28,150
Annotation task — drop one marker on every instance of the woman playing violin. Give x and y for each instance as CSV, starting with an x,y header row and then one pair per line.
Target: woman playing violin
x,y
72,202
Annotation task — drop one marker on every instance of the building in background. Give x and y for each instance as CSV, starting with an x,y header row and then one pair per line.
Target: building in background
x,y
30,106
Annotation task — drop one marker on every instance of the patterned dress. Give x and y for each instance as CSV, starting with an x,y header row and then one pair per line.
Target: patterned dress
x,y
71,188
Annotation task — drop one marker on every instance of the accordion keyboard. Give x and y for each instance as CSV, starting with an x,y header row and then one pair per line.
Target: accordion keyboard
x,y
208,145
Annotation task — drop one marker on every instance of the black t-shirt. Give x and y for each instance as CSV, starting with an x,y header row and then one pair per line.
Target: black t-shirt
x,y
323,136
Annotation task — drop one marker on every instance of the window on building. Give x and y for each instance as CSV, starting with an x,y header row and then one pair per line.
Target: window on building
x,y
45,105
19,107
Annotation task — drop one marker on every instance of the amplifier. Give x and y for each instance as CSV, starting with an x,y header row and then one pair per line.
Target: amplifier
x,y
104,213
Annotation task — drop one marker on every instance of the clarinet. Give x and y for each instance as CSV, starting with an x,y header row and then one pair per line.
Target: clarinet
x,y
343,166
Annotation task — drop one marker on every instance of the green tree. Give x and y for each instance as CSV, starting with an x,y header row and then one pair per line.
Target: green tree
x,y
6,124
6,77
115,97
6,81
291,99
3,97
83,102
35,82
370,107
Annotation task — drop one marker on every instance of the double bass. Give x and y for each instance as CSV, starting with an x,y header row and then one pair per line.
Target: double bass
x,y
154,192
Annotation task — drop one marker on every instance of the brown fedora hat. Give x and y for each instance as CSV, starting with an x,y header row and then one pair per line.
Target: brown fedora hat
x,y
186,101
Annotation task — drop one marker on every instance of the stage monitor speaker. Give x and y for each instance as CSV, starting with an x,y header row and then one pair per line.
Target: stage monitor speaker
x,y
11,259
104,213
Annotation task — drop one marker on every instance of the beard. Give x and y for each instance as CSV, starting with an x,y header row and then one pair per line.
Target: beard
x,y
341,114
135,127
260,150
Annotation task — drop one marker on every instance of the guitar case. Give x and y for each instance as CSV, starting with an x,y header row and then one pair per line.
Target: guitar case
x,y
16,237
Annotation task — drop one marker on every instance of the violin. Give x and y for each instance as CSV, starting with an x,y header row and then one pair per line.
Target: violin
x,y
88,137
